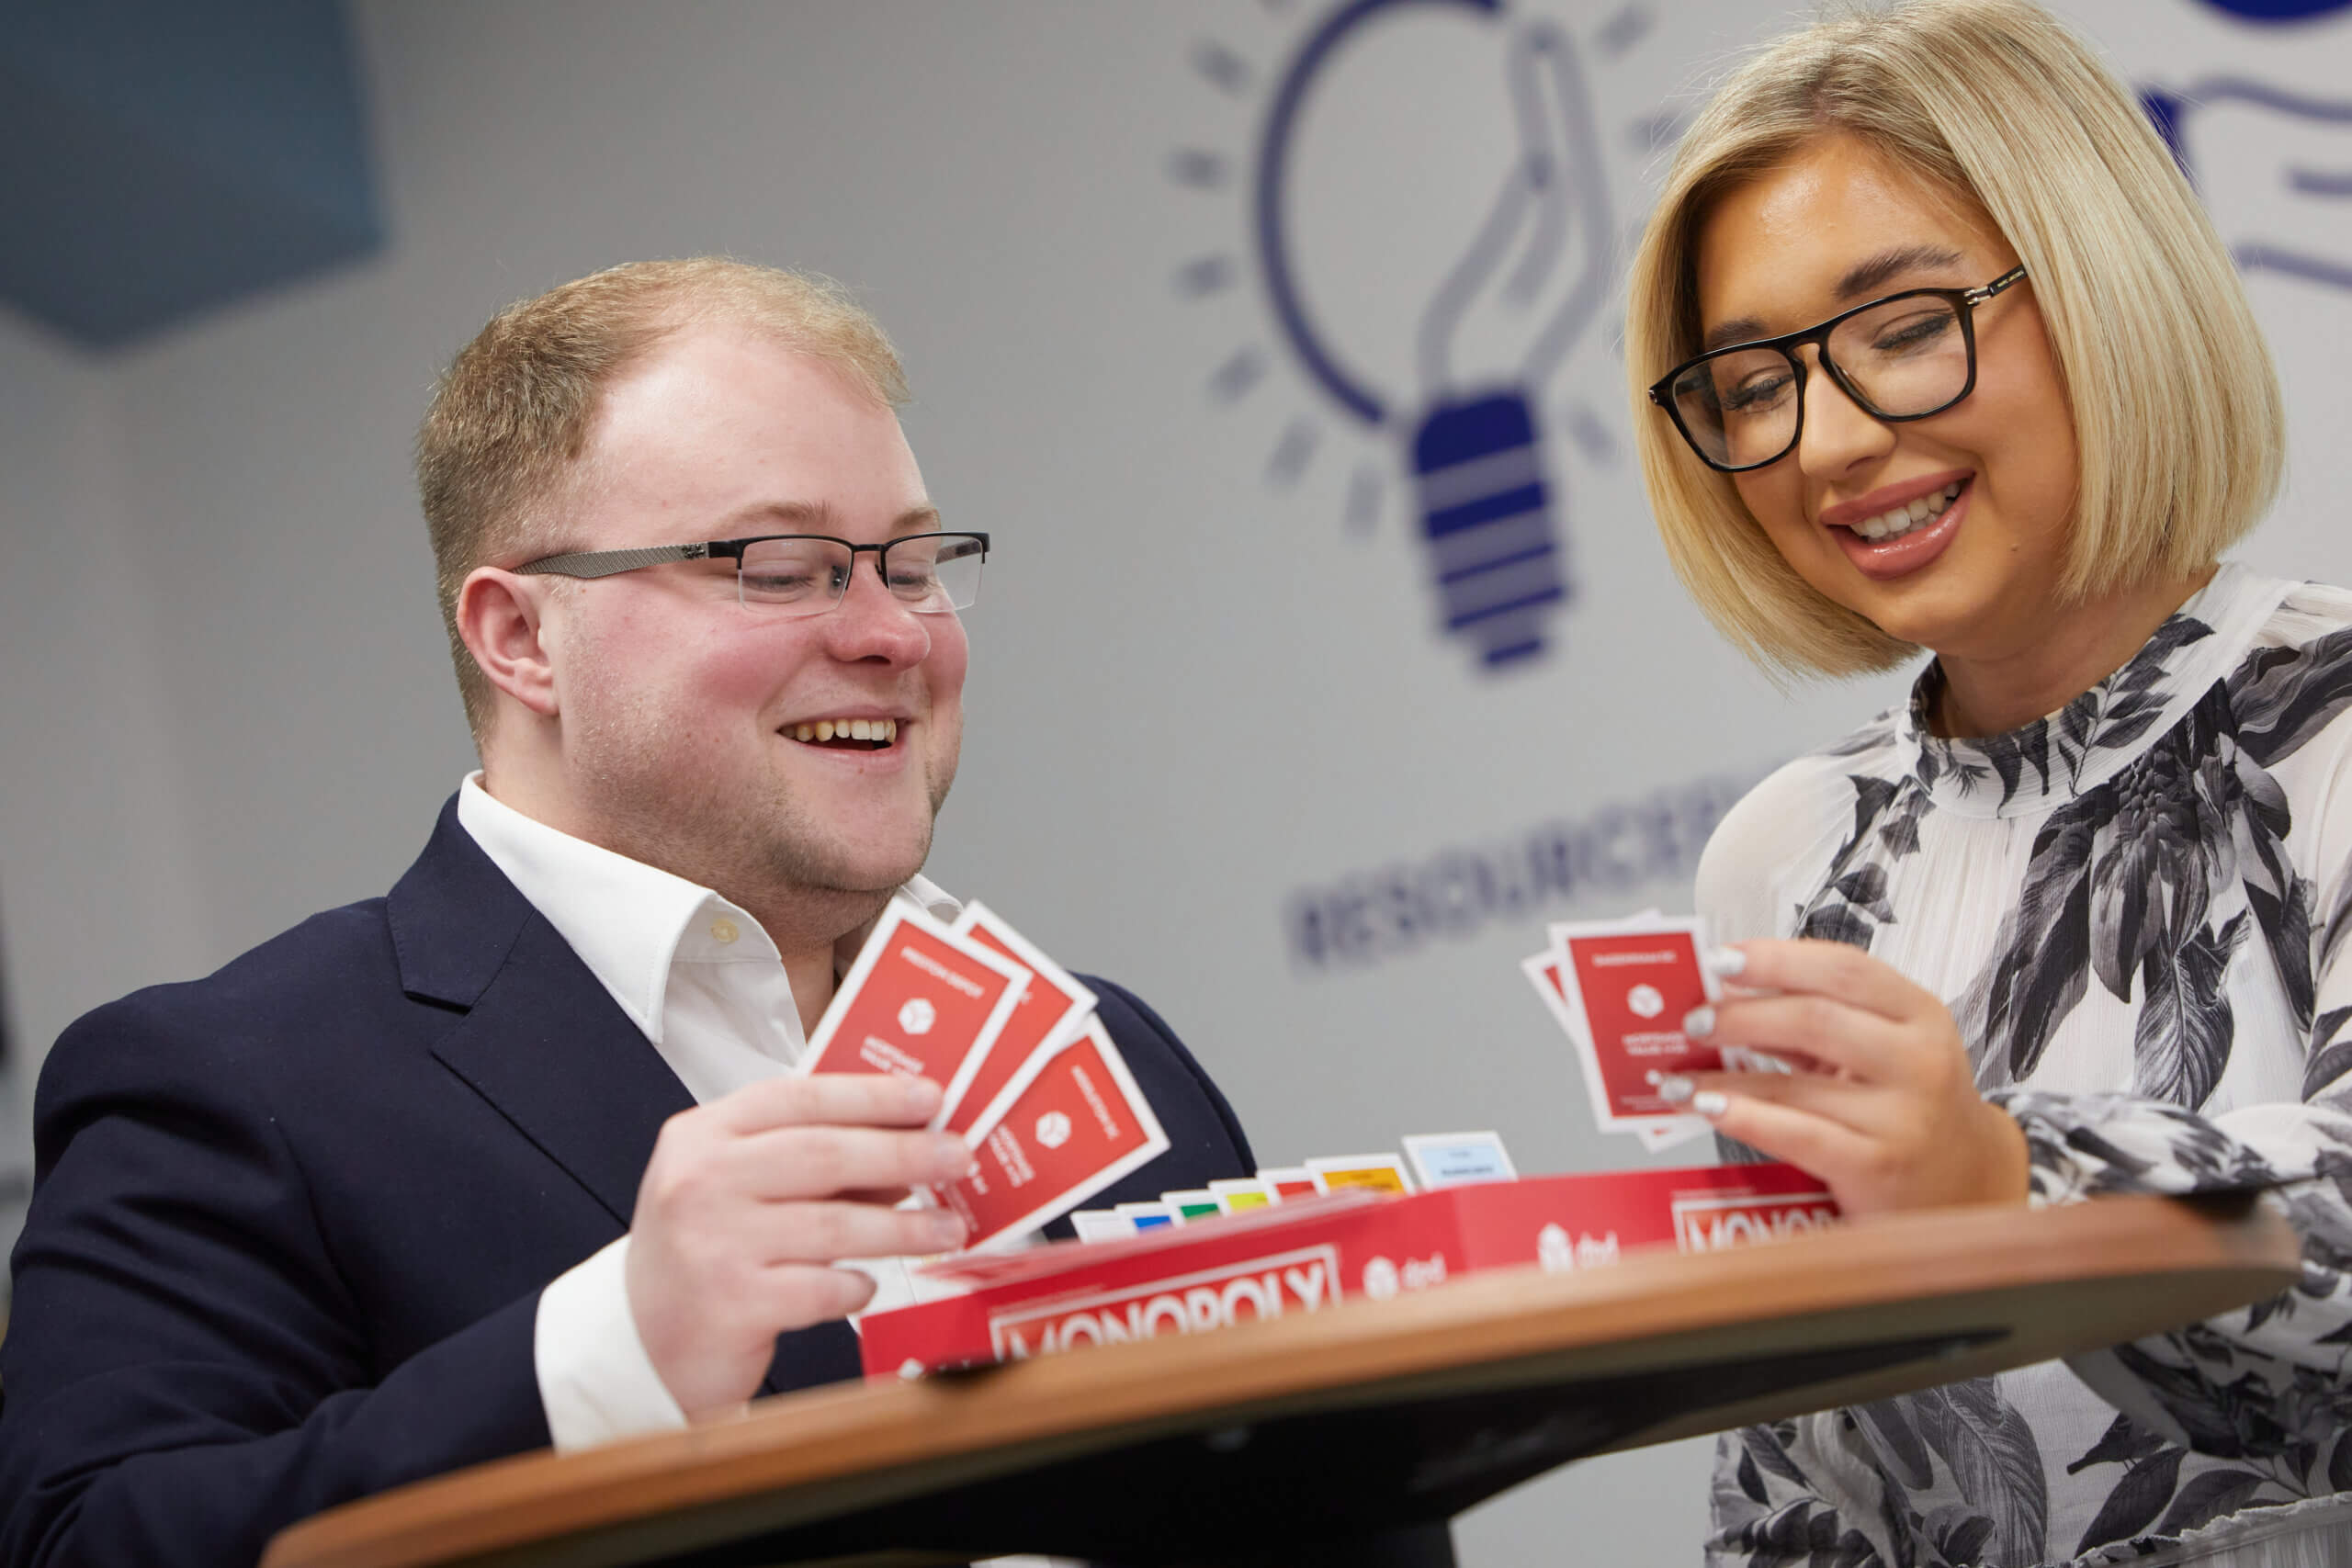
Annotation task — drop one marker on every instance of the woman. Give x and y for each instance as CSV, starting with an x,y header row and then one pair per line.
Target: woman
x,y
2072,920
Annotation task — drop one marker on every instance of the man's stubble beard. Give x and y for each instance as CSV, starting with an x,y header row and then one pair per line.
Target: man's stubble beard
x,y
772,858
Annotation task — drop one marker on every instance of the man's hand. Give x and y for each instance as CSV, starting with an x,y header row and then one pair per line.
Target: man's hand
x,y
1882,1104
749,1201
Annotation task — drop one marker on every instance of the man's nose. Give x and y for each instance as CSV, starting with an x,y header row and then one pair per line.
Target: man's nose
x,y
1839,431
871,622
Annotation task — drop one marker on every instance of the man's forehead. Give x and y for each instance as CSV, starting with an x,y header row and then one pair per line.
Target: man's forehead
x,y
721,421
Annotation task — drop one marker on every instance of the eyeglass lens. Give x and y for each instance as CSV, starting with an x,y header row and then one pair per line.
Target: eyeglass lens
x,y
930,574
1907,357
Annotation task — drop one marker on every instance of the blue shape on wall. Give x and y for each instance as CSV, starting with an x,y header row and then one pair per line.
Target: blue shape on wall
x,y
2278,10
160,158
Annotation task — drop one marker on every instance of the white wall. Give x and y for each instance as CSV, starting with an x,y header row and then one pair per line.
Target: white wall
x,y
1196,690
96,892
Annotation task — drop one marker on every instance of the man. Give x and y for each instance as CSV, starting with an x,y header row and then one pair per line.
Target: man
x,y
512,1156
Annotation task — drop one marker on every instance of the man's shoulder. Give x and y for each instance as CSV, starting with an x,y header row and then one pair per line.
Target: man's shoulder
x,y
329,965
1200,1122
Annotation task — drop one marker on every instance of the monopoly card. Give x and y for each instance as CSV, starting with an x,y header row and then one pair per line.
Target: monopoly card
x,y
1080,1125
1050,1012
1623,989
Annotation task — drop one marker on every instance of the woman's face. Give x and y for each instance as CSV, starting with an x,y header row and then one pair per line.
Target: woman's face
x,y
1837,226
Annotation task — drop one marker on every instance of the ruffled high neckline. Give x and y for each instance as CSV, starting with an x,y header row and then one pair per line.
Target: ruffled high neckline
x,y
2043,764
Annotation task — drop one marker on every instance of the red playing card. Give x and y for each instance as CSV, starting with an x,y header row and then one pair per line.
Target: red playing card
x,y
921,1002
1052,1011
1080,1125
1632,987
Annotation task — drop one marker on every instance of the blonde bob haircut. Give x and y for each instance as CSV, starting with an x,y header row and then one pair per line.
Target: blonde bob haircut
x,y
511,419
2177,408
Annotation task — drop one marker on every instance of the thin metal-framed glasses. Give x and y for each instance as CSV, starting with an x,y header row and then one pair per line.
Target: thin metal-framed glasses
x,y
1903,358
807,574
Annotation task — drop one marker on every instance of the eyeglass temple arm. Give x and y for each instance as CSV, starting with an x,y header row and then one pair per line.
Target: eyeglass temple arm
x,y
607,563
1978,296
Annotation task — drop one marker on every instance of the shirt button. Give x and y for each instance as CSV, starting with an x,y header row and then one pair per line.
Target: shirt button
x,y
723,930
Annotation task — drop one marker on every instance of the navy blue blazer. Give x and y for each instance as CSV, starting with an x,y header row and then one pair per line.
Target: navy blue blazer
x,y
290,1222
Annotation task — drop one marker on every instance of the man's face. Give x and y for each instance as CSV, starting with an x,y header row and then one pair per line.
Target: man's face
x,y
678,705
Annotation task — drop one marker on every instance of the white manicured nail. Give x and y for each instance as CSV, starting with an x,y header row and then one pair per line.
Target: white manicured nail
x,y
1709,1103
1727,960
1699,1023
1675,1089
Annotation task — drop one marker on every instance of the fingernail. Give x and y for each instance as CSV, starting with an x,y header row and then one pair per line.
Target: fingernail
x,y
1675,1089
923,1094
1710,1103
1727,960
947,1227
1699,1023
949,1154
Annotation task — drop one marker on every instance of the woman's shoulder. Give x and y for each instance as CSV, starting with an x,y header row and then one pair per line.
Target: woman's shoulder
x,y
2294,682
1790,825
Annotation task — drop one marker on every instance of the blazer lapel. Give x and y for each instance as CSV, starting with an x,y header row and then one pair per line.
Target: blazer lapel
x,y
543,1042
541,1039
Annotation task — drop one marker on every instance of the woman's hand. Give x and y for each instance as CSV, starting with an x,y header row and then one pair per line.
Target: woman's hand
x,y
1882,1105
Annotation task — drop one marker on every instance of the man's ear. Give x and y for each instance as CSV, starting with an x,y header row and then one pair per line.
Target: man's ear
x,y
498,617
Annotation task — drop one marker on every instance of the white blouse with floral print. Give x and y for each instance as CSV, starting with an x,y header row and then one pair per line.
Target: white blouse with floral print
x,y
2137,911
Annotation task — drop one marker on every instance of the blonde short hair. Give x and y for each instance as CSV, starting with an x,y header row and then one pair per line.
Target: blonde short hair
x,y
512,414
2177,408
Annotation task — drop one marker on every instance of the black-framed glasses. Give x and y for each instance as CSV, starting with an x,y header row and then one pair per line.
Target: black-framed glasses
x,y
1903,357
805,574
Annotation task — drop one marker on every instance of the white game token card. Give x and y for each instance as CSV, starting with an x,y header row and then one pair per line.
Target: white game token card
x,y
1458,1159
1052,1011
1080,1125
921,1002
1102,1225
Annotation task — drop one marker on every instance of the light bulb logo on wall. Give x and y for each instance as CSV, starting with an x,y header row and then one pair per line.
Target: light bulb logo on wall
x,y
2274,166
1488,489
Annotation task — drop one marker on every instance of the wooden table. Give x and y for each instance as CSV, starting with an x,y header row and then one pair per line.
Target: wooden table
x,y
1302,1440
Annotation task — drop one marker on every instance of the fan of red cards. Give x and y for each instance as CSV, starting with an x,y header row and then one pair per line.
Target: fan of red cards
x,y
1619,990
1033,1083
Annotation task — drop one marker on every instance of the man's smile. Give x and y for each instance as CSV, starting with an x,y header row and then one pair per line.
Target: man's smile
x,y
845,734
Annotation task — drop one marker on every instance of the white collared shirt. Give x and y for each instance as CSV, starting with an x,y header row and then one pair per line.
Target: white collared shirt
x,y
700,977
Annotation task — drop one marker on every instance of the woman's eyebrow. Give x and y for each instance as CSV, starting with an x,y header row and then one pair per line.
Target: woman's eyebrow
x,y
1866,276
1862,278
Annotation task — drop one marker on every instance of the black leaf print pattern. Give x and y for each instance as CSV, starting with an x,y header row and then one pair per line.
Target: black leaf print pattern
x,y
2332,1057
2185,1027
1994,1462
2123,1441
2041,968
2284,695
2136,1501
2339,1463
1899,1443
2208,1497
1805,1532
2339,924
2178,901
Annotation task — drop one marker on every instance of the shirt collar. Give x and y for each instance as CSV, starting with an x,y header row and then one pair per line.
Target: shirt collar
x,y
632,923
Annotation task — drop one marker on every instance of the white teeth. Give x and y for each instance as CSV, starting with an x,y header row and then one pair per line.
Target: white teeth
x,y
824,729
1902,519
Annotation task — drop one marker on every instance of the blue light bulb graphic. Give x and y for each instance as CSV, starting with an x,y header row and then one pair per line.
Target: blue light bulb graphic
x,y
1490,509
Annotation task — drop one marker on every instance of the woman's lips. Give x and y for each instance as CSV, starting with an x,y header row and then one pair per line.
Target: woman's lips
x,y
1886,559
